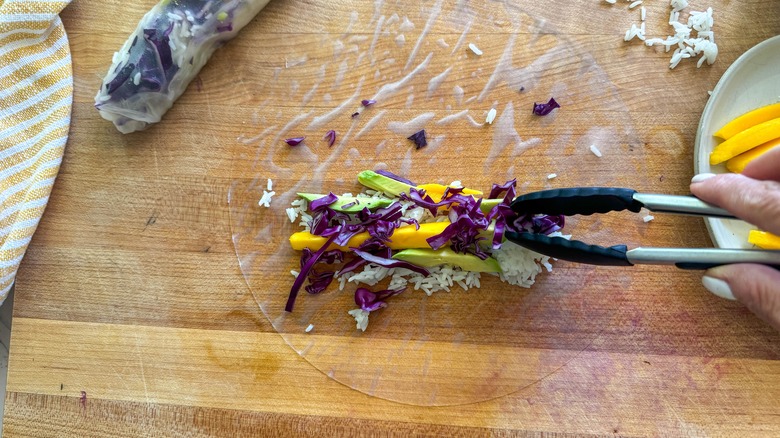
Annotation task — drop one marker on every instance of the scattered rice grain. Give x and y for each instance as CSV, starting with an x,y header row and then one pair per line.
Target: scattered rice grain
x,y
491,116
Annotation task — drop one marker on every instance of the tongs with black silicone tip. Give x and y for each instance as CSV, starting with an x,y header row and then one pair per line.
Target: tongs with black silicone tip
x,y
590,200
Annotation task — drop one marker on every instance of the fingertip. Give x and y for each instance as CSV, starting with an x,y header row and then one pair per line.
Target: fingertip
x,y
718,287
701,177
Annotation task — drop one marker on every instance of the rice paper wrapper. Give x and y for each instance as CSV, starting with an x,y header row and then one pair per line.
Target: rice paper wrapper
x,y
172,42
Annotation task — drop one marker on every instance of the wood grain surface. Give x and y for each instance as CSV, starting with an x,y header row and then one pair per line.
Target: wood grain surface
x,y
133,316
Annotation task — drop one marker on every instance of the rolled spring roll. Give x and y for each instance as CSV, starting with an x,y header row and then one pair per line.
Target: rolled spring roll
x,y
171,44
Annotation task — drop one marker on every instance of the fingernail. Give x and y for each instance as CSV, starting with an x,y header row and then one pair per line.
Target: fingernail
x,y
717,287
701,177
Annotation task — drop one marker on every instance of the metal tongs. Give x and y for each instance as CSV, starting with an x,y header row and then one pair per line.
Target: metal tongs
x,y
591,200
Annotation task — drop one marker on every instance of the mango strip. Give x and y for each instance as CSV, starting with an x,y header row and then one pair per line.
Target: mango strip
x,y
749,120
436,191
764,240
738,163
745,140
403,238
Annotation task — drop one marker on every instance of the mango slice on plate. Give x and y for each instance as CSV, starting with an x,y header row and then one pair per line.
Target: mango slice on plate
x,y
403,238
738,163
748,120
745,140
764,240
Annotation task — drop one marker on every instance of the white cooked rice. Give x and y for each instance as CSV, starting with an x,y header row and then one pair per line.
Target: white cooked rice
x,y
292,214
474,49
270,185
265,200
491,116
552,175
595,151
309,328
648,218
694,36
361,318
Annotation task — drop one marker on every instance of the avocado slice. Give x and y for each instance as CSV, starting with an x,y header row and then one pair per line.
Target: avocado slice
x,y
381,183
488,204
348,204
429,258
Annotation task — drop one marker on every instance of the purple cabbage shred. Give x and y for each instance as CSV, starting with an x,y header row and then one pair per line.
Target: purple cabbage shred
x,y
371,301
398,178
368,102
419,139
295,141
318,204
331,137
306,267
389,263
542,109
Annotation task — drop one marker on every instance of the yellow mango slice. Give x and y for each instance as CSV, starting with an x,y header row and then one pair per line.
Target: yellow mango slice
x,y
748,120
764,240
738,163
436,191
403,238
745,140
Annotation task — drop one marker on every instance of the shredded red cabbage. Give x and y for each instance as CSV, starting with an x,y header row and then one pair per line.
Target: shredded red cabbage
x,y
389,263
539,224
225,28
352,265
162,46
542,109
398,178
120,78
371,301
502,213
319,204
318,281
355,114
331,137
368,102
381,223
466,220
330,222
419,139
295,141
451,196
306,266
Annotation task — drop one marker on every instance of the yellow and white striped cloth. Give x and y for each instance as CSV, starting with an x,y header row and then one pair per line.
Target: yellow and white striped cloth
x,y
36,92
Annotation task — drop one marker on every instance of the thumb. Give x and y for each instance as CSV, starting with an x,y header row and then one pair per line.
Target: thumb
x,y
756,286
757,202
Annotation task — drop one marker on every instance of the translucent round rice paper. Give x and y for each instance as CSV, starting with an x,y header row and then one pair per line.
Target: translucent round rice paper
x,y
452,347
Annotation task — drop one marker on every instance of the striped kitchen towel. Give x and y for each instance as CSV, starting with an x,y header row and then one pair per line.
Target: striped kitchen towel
x,y
36,91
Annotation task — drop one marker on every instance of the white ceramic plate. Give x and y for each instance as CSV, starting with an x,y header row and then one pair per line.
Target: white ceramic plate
x,y
751,82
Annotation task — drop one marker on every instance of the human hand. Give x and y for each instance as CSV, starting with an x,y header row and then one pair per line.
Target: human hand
x,y
753,196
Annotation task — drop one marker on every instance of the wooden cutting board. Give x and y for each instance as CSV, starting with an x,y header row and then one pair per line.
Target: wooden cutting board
x,y
133,316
